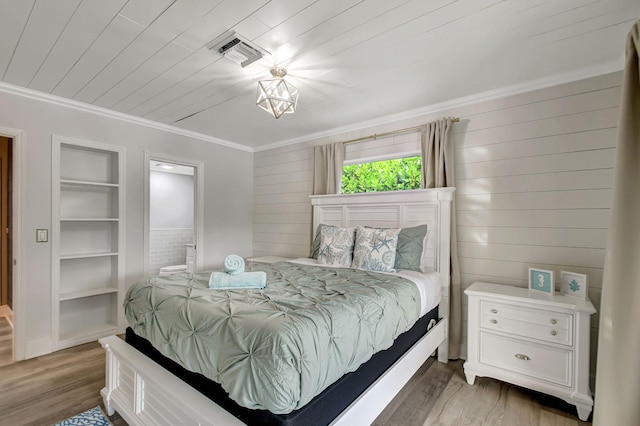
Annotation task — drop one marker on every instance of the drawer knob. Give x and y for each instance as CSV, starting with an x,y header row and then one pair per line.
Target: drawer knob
x,y
522,357
553,321
493,321
553,332
494,311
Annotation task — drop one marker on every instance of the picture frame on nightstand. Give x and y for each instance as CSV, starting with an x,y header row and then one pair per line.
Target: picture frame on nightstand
x,y
541,281
574,285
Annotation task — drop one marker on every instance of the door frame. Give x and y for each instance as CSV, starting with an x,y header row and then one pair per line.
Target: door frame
x,y
198,208
19,141
5,214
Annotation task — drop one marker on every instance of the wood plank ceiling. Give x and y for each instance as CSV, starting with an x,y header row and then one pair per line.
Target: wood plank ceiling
x,y
353,60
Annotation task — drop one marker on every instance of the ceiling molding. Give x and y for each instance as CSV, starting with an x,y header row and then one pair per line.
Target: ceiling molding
x,y
542,83
69,103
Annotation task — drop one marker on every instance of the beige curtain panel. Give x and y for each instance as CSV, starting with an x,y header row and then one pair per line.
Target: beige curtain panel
x,y
327,168
437,171
617,396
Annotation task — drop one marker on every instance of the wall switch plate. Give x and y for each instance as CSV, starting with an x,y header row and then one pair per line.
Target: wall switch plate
x,y
42,235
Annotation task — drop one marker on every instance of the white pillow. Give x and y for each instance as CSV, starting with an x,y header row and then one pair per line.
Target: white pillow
x,y
336,246
375,249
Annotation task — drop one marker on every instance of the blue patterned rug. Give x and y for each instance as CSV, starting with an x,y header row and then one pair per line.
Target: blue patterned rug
x,y
93,417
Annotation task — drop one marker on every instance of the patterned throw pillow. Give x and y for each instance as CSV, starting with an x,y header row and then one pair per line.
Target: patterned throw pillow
x,y
410,246
315,245
336,246
375,249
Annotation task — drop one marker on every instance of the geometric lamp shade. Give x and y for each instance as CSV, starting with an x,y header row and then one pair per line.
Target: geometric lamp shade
x,y
275,95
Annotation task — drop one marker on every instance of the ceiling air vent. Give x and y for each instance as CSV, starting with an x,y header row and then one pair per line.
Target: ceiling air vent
x,y
235,48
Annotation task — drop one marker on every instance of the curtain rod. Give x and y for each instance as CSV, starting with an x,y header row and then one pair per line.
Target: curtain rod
x,y
395,132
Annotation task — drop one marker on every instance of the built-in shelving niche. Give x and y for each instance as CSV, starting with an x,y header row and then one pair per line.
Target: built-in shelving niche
x,y
88,261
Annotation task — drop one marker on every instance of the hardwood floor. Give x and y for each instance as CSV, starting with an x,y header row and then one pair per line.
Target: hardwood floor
x,y
47,389
50,388
438,394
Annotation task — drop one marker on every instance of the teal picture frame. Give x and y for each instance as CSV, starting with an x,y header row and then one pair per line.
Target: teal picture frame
x,y
541,281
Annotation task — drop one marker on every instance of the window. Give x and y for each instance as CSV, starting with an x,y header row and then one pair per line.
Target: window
x,y
388,175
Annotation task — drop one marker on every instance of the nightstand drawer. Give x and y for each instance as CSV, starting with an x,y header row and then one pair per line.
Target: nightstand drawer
x,y
537,361
540,324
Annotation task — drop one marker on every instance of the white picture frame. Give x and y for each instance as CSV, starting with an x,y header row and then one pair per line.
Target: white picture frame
x,y
541,281
574,285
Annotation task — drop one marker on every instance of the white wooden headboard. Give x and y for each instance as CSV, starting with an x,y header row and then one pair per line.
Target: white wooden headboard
x,y
398,209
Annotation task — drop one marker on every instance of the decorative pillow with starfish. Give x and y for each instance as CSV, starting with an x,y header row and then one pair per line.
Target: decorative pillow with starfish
x,y
375,249
336,246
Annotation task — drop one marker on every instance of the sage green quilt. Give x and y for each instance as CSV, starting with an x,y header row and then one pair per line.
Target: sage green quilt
x,y
275,348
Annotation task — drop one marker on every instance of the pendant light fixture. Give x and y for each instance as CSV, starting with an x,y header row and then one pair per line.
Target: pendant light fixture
x,y
276,95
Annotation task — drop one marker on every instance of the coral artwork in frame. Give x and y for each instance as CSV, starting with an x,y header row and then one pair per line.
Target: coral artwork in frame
x,y
573,284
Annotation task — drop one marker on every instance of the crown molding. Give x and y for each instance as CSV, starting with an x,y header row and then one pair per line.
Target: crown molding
x,y
528,86
70,103
542,83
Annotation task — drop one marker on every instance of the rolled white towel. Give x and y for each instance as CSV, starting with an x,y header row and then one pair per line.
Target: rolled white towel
x,y
234,264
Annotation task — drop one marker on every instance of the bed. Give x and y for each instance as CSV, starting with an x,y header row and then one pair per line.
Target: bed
x,y
145,385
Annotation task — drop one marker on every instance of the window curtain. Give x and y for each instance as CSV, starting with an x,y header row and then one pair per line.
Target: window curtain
x,y
327,168
617,396
437,171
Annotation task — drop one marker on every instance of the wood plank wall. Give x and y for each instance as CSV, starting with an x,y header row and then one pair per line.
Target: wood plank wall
x,y
281,206
534,173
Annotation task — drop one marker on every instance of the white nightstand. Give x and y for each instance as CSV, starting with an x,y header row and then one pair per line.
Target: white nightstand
x,y
537,341
265,259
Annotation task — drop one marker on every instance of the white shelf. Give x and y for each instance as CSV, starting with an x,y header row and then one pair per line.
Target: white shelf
x,y
86,183
88,202
89,219
85,255
82,316
85,161
88,241
86,293
86,335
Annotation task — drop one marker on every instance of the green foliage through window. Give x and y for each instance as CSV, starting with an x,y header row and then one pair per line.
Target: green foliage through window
x,y
388,175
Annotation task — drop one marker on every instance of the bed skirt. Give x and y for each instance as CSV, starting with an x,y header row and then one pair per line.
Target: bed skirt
x,y
319,411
